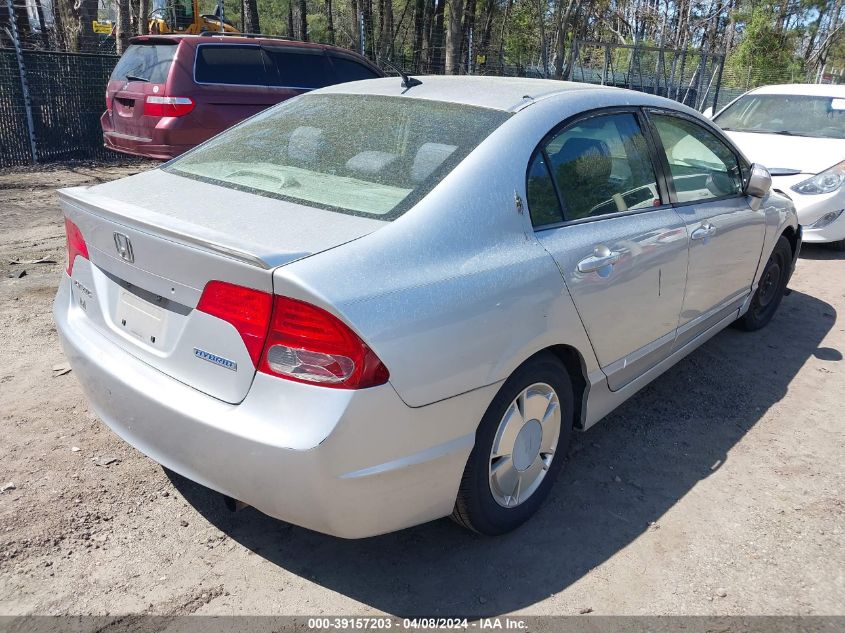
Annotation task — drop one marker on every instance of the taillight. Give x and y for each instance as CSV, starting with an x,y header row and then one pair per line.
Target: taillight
x,y
167,106
307,344
300,341
75,244
246,309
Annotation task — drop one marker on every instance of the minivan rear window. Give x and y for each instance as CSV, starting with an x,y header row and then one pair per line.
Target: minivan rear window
x,y
368,155
237,65
145,62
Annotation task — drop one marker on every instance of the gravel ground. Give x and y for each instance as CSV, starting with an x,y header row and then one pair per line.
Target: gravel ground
x,y
716,490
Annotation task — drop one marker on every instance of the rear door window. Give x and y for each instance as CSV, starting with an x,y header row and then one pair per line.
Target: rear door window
x,y
350,70
145,62
236,65
300,68
602,165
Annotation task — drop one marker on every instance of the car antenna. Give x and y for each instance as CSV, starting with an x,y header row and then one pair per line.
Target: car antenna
x,y
408,82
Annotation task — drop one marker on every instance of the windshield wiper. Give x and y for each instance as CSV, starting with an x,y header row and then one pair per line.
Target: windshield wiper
x,y
136,78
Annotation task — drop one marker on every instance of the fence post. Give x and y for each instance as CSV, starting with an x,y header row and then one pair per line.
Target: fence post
x,y
718,83
606,64
30,126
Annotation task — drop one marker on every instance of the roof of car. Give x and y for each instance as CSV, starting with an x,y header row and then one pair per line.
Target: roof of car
x,y
240,39
499,93
810,90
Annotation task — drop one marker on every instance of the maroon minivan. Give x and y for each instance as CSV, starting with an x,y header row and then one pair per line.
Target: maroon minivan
x,y
169,93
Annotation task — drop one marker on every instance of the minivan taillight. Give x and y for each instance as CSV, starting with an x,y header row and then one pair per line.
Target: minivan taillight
x,y
167,106
307,344
248,310
75,244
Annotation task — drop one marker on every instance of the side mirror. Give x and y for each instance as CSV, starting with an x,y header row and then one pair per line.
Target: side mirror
x,y
759,183
708,112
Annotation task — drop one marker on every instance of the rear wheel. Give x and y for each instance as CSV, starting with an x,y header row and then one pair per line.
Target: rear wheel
x,y
770,291
519,448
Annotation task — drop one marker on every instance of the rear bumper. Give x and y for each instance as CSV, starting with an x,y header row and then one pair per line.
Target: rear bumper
x,y
347,463
168,139
137,146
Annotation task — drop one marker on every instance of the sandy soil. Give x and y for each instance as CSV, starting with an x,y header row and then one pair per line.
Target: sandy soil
x,y
719,489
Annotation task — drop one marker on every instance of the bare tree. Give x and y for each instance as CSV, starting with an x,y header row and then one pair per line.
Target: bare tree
x,y
453,37
329,22
249,15
143,17
124,26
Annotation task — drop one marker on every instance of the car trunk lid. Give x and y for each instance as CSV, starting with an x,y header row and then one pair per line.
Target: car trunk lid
x,y
151,255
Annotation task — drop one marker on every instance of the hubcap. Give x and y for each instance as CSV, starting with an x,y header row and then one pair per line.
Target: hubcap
x,y
769,284
524,445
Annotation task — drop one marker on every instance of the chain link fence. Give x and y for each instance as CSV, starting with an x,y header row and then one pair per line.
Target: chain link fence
x,y
51,100
66,94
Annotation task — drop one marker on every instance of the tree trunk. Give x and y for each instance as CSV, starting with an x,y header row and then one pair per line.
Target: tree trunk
x,y
437,61
453,37
541,23
124,27
290,19
250,16
78,18
387,37
562,24
329,22
467,25
419,29
369,32
488,13
303,20
143,17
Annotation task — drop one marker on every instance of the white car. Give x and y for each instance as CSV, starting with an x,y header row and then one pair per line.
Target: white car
x,y
798,132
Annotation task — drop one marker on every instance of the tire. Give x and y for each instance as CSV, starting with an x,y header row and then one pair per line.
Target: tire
x,y
770,292
486,502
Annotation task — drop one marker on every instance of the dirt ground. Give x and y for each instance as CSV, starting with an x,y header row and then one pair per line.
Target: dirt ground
x,y
718,489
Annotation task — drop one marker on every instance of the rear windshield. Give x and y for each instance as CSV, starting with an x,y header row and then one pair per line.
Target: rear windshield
x,y
788,115
145,62
364,155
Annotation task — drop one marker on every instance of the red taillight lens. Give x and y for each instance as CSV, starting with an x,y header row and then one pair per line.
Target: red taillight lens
x,y
307,344
75,244
246,309
168,106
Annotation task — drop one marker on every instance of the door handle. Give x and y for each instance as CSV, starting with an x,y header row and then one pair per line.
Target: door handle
x,y
602,260
702,232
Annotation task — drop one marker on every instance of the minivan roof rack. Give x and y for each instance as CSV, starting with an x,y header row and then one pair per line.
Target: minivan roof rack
x,y
249,35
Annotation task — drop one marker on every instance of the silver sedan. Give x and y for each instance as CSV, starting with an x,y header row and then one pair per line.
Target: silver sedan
x,y
379,304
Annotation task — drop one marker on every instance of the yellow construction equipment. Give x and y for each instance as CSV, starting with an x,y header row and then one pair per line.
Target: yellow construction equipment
x,y
183,16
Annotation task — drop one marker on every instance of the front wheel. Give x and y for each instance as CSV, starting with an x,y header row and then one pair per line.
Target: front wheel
x,y
519,448
771,289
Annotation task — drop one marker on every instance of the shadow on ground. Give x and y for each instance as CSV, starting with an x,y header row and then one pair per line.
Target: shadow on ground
x,y
660,443
820,251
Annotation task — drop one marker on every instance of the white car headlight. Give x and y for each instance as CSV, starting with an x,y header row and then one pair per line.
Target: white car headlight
x,y
827,181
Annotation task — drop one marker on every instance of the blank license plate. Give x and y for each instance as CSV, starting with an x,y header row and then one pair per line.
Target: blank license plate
x,y
141,319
